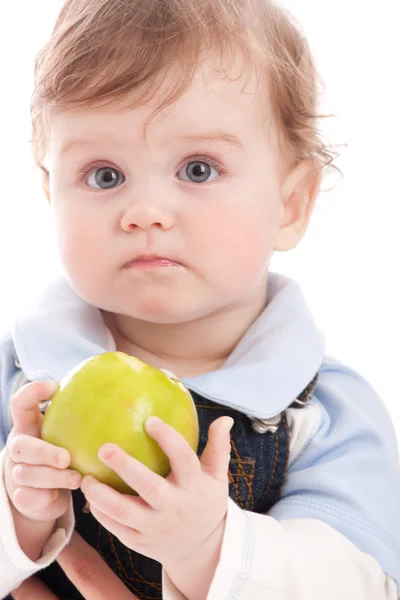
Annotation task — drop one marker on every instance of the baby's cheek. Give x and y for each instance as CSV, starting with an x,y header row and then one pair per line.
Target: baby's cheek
x,y
242,258
85,268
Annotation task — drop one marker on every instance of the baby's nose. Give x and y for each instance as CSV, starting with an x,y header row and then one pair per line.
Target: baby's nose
x,y
145,216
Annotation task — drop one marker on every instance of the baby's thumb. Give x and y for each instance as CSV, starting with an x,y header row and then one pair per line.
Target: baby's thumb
x,y
217,453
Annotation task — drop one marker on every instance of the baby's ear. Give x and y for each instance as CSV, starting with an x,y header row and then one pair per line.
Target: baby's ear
x,y
46,183
298,195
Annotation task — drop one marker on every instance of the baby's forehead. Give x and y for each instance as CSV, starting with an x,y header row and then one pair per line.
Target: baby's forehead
x,y
214,100
235,80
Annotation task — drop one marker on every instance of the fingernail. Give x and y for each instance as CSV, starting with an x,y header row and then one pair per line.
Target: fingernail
x,y
106,453
152,421
63,458
88,479
75,480
86,508
53,387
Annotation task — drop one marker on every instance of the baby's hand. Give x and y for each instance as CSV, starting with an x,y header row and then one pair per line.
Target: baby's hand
x,y
178,521
36,475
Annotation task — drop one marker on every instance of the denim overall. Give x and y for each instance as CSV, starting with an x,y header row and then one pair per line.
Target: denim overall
x,y
259,458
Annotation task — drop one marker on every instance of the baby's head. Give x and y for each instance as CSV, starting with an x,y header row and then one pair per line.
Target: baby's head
x,y
177,129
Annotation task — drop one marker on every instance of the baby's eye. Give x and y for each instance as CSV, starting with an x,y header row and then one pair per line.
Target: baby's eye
x,y
105,178
198,171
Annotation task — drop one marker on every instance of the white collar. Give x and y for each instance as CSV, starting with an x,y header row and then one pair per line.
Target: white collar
x,y
272,364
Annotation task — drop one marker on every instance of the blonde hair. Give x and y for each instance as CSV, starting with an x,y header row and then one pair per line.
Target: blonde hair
x,y
102,51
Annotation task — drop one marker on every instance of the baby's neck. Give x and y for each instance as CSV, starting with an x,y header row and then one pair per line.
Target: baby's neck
x,y
186,349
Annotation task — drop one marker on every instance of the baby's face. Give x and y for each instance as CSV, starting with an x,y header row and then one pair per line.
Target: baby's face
x,y
201,191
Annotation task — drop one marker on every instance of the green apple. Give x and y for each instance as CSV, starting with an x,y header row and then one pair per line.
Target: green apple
x,y
108,398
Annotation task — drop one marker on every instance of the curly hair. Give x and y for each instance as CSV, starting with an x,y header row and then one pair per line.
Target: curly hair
x,y
103,51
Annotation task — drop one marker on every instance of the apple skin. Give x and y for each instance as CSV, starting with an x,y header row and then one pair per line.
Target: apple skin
x,y
108,398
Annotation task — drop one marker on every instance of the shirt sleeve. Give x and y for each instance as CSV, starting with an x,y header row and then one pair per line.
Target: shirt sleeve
x,y
297,559
8,376
335,532
302,559
15,566
347,474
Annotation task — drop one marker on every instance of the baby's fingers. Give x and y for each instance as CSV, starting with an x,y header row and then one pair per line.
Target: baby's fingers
x,y
216,455
40,505
25,410
33,451
46,477
33,589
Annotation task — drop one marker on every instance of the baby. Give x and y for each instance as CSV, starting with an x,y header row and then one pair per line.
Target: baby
x,y
179,148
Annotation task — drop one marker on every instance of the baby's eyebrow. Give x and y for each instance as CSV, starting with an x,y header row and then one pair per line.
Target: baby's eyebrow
x,y
216,136
69,145
211,136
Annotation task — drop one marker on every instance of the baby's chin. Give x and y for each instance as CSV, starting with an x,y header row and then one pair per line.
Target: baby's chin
x,y
158,304
166,314
159,309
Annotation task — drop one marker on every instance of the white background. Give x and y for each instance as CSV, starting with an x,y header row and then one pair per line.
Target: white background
x,y
348,261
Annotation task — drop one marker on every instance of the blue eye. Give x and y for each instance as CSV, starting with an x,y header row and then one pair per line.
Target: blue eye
x,y
105,178
198,171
